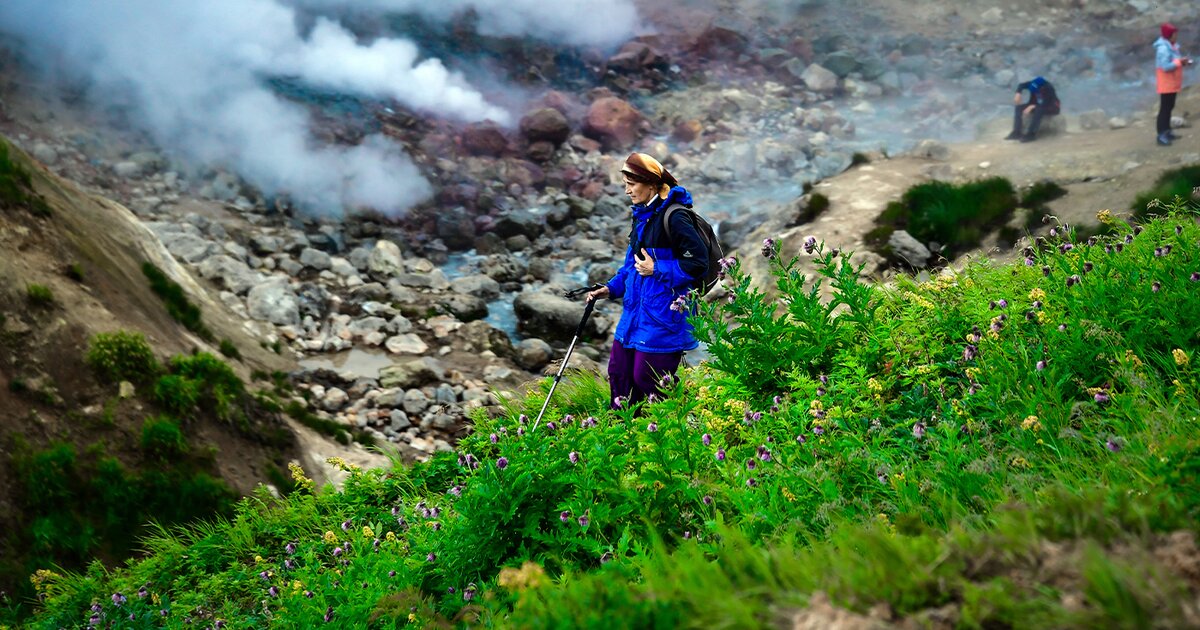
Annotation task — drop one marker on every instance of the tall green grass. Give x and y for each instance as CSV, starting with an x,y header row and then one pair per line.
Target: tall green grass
x,y
928,448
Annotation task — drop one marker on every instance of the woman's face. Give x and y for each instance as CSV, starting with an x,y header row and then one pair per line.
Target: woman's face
x,y
640,193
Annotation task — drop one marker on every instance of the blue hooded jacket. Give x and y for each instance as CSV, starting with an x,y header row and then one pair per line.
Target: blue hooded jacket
x,y
647,322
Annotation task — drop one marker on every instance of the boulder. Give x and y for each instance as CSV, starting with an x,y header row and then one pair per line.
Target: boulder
x,y
233,275
406,343
841,63
465,308
385,260
519,222
932,150
1093,120
315,259
533,354
456,228
274,301
819,79
909,249
613,122
635,57
411,374
545,125
188,247
484,139
479,336
478,285
549,316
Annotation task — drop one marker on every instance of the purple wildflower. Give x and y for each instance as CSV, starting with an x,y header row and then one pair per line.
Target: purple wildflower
x,y
1101,397
606,557
573,457
1120,247
522,419
768,248
810,244
1046,271
289,564
520,431
720,454
162,612
564,516
391,574
820,391
652,427
220,623
751,482
290,549
1113,445
764,454
1065,247
619,402
706,439
502,463
96,607
1156,286
1002,303
707,500
687,535
1041,365
680,304
550,426
800,439
1195,277
329,614
1108,249
824,380
1088,266
584,520
456,491
1053,232
751,464
567,419
818,430
1062,328
588,422
309,594
469,592
1178,230
494,438
431,557
969,352
1037,304
919,430
143,593
346,525
273,591
756,416
118,599
337,551
1029,262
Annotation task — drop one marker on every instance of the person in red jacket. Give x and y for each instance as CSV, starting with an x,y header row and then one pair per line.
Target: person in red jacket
x,y
1168,66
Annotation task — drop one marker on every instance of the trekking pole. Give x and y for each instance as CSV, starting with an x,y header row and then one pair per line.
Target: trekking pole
x,y
587,312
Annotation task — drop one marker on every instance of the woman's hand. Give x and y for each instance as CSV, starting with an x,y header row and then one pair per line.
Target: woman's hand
x,y
1017,98
644,264
602,292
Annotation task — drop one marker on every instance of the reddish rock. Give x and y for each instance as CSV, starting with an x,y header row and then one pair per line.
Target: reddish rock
x,y
636,56
687,131
484,138
584,145
545,125
540,151
718,42
614,123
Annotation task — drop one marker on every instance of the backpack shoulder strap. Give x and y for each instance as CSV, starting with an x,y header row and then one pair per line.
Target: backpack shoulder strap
x,y
667,217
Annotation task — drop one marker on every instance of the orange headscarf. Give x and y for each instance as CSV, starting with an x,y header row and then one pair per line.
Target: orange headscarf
x,y
643,168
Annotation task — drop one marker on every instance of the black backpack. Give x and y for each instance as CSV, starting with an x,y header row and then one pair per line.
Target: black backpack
x,y
709,236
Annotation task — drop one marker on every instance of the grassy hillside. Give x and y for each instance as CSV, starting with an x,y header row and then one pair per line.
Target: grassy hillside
x,y
1009,446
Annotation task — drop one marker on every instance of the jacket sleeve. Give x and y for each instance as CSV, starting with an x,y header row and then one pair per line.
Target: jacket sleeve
x,y
1022,87
691,254
1166,60
616,286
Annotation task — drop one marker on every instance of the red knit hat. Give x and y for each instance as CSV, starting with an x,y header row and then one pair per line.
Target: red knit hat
x,y
1168,29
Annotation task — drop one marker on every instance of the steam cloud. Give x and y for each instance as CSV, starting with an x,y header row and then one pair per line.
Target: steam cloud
x,y
194,71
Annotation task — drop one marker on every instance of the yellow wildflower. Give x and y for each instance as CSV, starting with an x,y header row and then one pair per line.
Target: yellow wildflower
x,y
331,538
874,385
41,579
298,476
1018,462
973,374
367,532
155,599
530,575
1041,316
341,464
258,559
1133,358
993,335
1031,424
1181,357
390,537
297,585
1037,294
787,494
412,617
1105,216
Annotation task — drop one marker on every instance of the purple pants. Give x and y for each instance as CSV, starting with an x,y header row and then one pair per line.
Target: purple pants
x,y
635,375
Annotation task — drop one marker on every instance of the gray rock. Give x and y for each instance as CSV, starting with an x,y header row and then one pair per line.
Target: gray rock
x,y
841,63
435,279
127,169
465,308
1093,120
520,222
334,399
187,247
909,249
730,160
444,395
733,231
362,327
343,268
415,401
504,268
385,260
549,316
360,257
413,373
479,336
315,259
399,324
478,285
533,354
234,275
274,301
399,420
265,244
406,343
819,79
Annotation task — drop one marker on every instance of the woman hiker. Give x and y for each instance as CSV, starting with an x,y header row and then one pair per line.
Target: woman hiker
x,y
1168,67
659,269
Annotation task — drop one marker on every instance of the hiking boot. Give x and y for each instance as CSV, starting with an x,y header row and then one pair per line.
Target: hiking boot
x,y
1028,137
1164,139
1171,135
1016,135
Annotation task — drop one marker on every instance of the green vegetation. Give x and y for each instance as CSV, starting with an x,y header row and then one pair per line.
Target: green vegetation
x,y
201,383
162,438
74,271
228,349
122,356
813,204
1180,182
859,158
39,294
16,186
176,301
1035,198
955,216
934,448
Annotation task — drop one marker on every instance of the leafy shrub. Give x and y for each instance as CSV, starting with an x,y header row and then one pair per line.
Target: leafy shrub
x,y
1180,182
215,385
859,158
175,299
39,294
16,186
812,206
955,216
162,438
74,271
230,350
178,394
122,356
1035,198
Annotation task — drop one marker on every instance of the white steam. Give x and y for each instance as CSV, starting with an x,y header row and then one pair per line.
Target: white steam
x,y
195,69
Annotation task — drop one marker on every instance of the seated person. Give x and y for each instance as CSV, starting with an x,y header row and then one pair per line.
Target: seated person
x,y
1043,101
